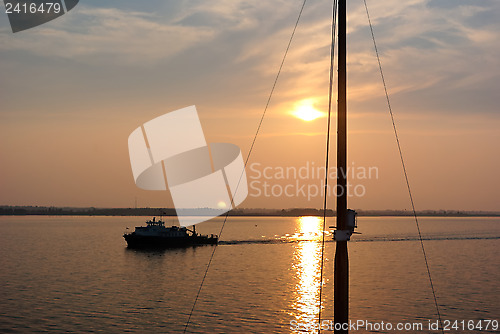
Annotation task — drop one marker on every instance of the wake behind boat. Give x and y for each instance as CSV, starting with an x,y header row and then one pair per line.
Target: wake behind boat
x,y
156,235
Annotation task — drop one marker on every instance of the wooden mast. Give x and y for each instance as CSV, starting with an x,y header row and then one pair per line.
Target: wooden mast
x,y
341,270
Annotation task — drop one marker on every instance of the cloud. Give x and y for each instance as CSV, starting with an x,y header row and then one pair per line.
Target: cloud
x,y
107,35
432,54
423,50
227,47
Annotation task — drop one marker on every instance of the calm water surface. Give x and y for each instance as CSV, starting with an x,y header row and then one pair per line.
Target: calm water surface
x,y
75,274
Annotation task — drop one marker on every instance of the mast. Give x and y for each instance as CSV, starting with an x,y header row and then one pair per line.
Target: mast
x,y
342,235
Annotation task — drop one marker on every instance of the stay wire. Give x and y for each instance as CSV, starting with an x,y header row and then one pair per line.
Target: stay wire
x,y
404,169
330,95
246,161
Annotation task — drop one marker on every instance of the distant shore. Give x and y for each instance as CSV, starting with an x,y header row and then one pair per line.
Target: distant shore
x,y
295,212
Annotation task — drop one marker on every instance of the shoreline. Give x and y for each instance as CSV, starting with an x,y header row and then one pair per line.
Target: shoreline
x,y
170,212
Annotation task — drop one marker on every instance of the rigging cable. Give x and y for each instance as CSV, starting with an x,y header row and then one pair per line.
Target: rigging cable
x,y
246,160
330,93
404,170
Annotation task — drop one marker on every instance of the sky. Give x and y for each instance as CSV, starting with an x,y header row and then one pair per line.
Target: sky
x,y
72,91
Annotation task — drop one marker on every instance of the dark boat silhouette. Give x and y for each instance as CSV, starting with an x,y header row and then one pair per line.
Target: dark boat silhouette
x,y
156,235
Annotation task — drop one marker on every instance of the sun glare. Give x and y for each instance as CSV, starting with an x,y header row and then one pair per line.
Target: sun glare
x,y
307,265
305,111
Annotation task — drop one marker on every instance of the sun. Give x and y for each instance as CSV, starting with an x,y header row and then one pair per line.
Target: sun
x,y
222,204
305,111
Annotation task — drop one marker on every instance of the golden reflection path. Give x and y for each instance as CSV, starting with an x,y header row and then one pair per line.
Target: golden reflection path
x,y
307,267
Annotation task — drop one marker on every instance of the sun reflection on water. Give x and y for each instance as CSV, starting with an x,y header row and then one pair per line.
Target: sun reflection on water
x,y
307,267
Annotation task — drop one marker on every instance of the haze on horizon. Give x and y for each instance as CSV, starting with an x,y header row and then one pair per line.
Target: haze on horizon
x,y
72,91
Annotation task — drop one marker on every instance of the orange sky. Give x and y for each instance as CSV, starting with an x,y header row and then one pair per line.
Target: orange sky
x,y
72,90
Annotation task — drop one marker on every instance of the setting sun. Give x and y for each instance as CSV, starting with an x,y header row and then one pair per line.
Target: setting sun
x,y
305,111
221,204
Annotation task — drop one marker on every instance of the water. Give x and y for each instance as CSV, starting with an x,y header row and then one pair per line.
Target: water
x,y
74,274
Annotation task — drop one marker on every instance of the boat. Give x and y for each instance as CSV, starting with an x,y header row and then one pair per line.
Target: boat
x,y
156,235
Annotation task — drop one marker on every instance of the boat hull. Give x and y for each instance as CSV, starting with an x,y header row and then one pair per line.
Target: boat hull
x,y
140,241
